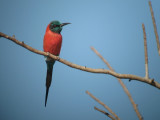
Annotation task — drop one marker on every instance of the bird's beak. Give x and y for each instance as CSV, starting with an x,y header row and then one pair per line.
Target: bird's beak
x,y
63,24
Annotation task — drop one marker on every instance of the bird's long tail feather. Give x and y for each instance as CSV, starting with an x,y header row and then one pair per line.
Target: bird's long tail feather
x,y
48,78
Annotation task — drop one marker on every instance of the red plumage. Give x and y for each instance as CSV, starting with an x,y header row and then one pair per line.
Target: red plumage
x,y
52,42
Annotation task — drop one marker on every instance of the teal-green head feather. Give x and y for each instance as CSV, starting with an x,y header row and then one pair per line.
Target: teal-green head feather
x,y
56,26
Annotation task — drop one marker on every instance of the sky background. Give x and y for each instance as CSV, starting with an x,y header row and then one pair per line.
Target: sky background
x,y
113,27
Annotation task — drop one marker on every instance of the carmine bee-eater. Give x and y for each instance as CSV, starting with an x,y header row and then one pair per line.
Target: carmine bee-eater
x,y
52,43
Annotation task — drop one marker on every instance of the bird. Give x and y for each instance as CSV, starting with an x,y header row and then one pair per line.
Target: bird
x,y
52,43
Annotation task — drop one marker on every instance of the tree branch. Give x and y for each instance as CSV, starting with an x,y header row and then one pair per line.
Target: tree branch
x,y
155,28
84,68
145,51
121,83
110,116
104,105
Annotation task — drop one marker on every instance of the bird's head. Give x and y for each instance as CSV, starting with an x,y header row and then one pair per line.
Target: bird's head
x,y
56,26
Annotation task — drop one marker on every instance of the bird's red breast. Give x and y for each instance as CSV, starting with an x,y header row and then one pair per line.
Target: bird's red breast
x,y
52,42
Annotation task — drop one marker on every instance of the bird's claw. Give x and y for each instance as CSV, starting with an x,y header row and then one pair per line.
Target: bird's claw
x,y
48,54
58,58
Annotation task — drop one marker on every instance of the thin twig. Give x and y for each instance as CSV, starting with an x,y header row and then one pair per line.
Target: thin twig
x,y
104,105
145,51
84,68
155,28
121,83
110,116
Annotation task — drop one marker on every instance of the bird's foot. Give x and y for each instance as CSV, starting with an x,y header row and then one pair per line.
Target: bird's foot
x,y
58,58
48,54
48,57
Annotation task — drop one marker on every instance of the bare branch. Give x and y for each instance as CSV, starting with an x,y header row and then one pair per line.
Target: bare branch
x,y
84,68
105,106
110,116
145,51
121,83
155,28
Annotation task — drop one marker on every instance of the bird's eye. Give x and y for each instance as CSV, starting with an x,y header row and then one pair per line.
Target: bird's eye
x,y
54,26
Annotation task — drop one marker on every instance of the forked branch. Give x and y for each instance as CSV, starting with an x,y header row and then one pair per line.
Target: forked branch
x,y
104,105
121,83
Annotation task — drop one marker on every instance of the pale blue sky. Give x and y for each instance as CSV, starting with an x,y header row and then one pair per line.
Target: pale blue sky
x,y
113,27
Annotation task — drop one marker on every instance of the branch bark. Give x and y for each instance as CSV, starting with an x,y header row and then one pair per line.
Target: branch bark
x,y
145,51
110,116
83,68
121,83
155,28
104,105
